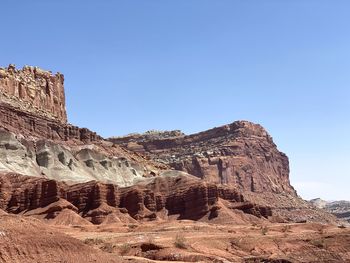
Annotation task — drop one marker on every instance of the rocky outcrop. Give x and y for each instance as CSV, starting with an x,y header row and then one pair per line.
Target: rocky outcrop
x,y
241,154
122,179
36,140
71,163
30,124
32,103
341,209
173,194
35,91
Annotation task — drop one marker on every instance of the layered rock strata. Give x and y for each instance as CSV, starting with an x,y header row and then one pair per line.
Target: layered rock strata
x,y
241,154
175,194
72,162
34,90
341,209
32,103
27,123
239,164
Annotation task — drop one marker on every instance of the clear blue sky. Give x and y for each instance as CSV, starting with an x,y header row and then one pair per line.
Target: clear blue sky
x,y
131,66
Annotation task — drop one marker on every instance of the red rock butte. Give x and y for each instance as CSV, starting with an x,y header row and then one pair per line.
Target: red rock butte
x,y
34,90
32,103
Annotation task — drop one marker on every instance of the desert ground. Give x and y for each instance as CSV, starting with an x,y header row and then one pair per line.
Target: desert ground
x,y
190,241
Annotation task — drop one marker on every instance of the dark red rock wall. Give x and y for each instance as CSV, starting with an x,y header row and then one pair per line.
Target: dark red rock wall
x,y
20,193
88,196
187,198
29,124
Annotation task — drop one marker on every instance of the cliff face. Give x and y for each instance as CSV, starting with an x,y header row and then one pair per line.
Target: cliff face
x,y
241,154
31,124
126,178
36,140
168,196
175,195
34,90
32,103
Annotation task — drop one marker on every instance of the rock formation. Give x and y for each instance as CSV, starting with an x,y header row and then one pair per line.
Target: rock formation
x,y
29,123
71,162
241,154
340,209
235,170
36,140
173,194
34,90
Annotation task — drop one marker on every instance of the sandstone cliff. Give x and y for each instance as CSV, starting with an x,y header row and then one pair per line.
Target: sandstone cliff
x,y
32,103
236,167
34,90
30,124
241,154
171,195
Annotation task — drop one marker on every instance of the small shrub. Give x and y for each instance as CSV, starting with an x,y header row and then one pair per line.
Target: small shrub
x,y
318,243
124,249
286,228
132,227
196,228
235,242
108,247
321,230
264,230
93,241
180,241
342,226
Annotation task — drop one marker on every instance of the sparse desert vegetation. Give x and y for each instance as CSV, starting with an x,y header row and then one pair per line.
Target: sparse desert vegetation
x,y
180,241
168,241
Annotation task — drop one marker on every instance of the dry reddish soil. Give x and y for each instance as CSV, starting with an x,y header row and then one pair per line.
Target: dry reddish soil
x,y
191,241
27,240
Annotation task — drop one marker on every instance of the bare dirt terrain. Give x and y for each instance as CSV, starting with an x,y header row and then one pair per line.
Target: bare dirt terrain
x,y
27,240
190,241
